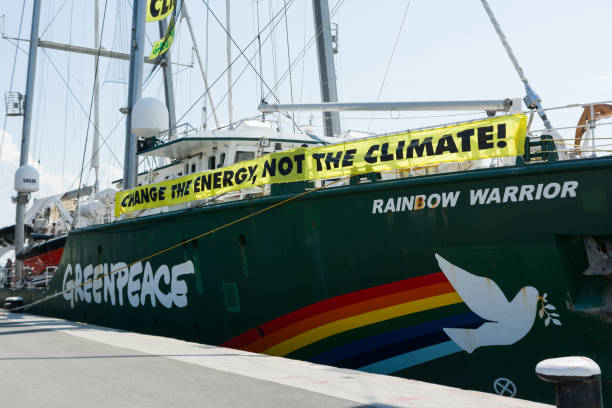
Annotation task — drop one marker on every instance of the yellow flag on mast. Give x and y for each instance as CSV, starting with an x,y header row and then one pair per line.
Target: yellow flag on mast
x,y
159,9
161,46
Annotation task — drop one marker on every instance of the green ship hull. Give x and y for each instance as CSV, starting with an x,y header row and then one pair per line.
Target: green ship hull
x,y
466,279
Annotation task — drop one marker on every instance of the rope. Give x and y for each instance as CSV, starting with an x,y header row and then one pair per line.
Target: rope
x,y
312,40
274,63
225,70
78,102
68,57
105,141
182,243
54,17
289,62
303,64
290,117
76,212
259,51
205,104
397,37
240,49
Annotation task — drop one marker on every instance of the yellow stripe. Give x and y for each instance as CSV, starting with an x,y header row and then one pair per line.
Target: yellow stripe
x,y
361,320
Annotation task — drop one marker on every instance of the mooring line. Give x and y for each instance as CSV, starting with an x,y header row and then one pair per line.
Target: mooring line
x,y
236,221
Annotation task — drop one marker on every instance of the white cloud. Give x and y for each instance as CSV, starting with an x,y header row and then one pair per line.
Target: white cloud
x,y
50,181
8,164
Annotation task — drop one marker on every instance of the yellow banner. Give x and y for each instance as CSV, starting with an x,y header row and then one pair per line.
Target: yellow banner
x,y
495,137
159,9
160,47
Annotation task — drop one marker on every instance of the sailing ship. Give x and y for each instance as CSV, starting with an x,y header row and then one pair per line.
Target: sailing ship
x,y
457,273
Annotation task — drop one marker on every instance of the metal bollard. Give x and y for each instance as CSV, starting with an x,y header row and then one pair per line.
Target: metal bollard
x,y
577,381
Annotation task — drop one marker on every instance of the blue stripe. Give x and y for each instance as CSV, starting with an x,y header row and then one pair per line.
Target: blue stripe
x,y
412,358
345,351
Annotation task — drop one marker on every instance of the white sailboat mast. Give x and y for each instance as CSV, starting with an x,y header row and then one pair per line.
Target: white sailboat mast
x,y
200,62
23,198
327,70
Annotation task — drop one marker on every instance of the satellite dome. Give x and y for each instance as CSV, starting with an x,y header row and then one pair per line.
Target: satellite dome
x,y
26,179
149,117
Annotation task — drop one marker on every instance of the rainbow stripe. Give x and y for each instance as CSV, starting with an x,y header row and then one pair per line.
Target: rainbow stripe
x,y
383,329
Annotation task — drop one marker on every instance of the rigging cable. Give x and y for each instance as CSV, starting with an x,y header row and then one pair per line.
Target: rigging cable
x,y
397,37
270,92
169,30
312,40
12,76
261,96
67,95
38,104
244,70
76,212
288,52
225,70
274,62
532,99
104,140
205,103
54,17
303,62
228,23
115,69
76,99
184,242
254,31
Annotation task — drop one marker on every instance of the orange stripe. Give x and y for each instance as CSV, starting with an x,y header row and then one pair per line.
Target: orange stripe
x,y
347,311
362,320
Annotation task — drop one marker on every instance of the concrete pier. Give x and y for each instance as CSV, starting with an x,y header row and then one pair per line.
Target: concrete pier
x,y
57,363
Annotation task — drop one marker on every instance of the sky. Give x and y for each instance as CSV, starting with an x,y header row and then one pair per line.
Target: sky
x,y
446,50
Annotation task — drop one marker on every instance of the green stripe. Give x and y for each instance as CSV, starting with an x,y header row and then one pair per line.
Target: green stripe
x,y
314,349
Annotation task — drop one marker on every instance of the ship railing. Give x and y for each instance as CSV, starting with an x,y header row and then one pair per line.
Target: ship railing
x,y
7,277
180,130
593,143
10,280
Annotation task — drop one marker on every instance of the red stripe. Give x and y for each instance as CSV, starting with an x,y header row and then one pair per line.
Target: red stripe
x,y
40,262
333,303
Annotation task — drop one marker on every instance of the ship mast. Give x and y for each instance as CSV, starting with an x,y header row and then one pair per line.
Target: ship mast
x,y
23,198
168,83
327,71
130,161
95,157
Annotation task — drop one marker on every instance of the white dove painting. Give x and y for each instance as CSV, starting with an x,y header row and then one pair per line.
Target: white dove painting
x,y
507,321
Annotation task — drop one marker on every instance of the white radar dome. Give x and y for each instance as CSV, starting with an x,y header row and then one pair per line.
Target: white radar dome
x,y
149,117
26,179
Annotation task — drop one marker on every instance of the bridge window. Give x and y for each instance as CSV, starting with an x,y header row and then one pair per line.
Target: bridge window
x,y
241,156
